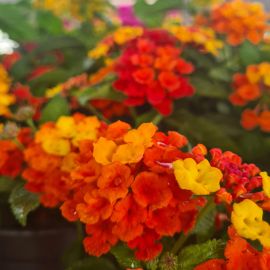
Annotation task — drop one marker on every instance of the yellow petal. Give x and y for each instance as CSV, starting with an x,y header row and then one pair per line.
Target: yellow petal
x,y
104,150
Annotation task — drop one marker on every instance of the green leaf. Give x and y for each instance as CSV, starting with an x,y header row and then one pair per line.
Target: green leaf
x,y
15,20
206,88
92,263
40,84
202,129
6,184
100,92
145,117
205,226
21,69
55,108
125,256
220,74
58,43
153,264
249,54
193,255
255,147
49,23
22,202
153,14
204,61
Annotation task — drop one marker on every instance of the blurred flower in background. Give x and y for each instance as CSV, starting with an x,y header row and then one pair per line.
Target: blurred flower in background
x,y
6,44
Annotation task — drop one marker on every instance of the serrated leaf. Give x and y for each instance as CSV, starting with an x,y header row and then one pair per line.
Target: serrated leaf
x,y
55,108
125,256
22,202
193,255
92,263
249,54
100,92
6,184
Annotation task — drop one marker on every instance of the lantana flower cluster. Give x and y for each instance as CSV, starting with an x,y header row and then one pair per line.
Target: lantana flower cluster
x,y
239,254
253,85
124,189
201,37
137,186
150,68
239,20
79,9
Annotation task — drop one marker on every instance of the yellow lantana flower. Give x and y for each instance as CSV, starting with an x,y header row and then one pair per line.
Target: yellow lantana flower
x,y
86,129
247,219
266,183
136,141
100,51
56,146
201,178
201,36
6,99
66,126
142,135
104,150
129,153
127,33
51,92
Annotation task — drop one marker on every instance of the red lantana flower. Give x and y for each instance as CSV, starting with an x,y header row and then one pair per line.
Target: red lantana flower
x,y
151,70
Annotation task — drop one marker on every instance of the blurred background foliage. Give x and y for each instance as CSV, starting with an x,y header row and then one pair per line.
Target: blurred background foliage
x,y
60,35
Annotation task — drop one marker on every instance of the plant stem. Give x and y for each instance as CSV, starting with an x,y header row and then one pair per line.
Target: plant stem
x,y
31,124
180,242
157,119
80,233
98,114
134,115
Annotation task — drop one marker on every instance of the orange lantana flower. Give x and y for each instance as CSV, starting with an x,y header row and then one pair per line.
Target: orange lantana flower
x,y
114,181
151,189
240,20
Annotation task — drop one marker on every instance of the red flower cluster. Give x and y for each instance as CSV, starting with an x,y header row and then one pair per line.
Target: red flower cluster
x,y
11,158
151,70
239,255
24,97
240,180
11,153
110,108
134,200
